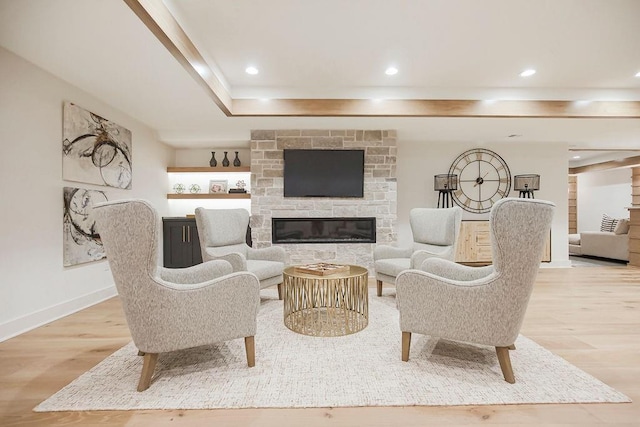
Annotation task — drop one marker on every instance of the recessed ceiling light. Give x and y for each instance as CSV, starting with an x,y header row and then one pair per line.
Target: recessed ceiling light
x,y
251,70
528,73
575,157
391,71
638,74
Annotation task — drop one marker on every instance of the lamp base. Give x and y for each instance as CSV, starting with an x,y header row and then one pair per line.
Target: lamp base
x,y
444,199
526,194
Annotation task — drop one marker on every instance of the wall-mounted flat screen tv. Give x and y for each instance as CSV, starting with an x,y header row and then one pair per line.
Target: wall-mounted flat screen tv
x,y
323,173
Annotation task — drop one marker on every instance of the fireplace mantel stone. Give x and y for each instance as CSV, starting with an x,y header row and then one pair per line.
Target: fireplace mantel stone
x,y
379,201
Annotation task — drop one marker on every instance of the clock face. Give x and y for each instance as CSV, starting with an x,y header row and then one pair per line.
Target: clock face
x,y
483,179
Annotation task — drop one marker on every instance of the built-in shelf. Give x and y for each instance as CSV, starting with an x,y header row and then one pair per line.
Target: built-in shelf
x,y
209,196
209,169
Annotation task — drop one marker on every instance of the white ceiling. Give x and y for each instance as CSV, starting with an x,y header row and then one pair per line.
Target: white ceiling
x,y
444,49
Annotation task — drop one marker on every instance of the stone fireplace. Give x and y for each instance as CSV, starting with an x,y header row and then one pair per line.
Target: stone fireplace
x,y
379,203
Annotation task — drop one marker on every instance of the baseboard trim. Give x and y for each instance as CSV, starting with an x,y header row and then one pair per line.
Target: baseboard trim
x,y
34,320
556,264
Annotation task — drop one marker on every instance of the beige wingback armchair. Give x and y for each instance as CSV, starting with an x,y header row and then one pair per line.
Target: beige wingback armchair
x,y
172,309
483,305
222,234
435,234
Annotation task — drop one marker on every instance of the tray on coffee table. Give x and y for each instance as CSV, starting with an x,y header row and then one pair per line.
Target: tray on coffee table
x,y
322,268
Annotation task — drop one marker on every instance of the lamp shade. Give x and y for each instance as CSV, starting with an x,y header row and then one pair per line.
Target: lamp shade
x,y
529,182
445,182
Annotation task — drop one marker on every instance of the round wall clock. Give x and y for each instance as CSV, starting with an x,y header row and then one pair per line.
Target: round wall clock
x,y
483,179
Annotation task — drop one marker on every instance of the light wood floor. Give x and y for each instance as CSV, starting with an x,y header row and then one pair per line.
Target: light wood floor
x,y
589,316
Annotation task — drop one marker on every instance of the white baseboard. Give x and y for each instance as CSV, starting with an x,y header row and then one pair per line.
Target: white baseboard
x,y
31,321
556,264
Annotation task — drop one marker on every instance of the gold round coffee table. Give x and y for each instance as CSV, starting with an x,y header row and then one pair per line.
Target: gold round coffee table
x,y
327,305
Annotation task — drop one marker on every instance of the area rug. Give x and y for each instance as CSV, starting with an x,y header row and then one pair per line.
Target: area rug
x,y
363,369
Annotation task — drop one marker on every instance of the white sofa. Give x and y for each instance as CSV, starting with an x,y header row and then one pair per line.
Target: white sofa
x,y
604,244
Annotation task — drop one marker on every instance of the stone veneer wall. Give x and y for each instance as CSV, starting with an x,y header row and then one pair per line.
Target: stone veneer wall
x,y
380,191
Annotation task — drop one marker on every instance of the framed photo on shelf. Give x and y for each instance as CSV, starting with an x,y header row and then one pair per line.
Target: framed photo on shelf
x,y
218,186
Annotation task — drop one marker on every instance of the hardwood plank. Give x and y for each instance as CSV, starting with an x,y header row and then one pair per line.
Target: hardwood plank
x,y
589,316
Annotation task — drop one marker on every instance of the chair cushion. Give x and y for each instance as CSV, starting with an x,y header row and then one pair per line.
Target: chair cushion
x,y
222,227
392,266
264,269
433,226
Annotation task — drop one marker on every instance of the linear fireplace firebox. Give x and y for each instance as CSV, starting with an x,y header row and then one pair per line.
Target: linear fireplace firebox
x,y
323,230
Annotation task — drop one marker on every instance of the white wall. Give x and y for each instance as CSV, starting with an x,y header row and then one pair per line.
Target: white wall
x,y
419,162
603,192
35,287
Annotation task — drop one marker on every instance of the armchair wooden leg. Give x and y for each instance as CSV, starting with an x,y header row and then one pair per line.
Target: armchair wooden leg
x,y
406,345
250,347
512,347
505,364
140,353
148,366
379,282
279,291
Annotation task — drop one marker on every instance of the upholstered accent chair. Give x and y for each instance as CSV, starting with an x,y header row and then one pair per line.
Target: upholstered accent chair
x,y
481,305
172,309
435,234
222,236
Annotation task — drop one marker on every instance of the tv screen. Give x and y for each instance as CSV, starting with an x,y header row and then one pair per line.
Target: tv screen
x,y
323,173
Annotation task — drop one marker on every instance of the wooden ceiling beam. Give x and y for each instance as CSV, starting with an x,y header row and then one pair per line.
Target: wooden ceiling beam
x,y
612,164
159,19
161,22
435,108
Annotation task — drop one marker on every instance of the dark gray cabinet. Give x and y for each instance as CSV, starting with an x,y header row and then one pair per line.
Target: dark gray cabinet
x,y
181,244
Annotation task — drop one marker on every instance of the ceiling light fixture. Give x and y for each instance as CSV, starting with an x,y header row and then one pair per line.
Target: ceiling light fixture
x,y
575,157
638,74
251,70
528,73
391,71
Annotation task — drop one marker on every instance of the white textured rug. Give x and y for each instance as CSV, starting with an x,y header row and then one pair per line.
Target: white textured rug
x,y
363,369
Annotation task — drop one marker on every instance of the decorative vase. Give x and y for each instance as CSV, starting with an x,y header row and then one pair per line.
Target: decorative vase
x,y
236,161
225,161
213,162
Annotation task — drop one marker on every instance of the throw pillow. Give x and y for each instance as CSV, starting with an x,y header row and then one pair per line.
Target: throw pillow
x,y
608,223
622,227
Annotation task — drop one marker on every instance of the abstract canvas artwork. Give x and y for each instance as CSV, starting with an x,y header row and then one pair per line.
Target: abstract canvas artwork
x,y
94,149
81,239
